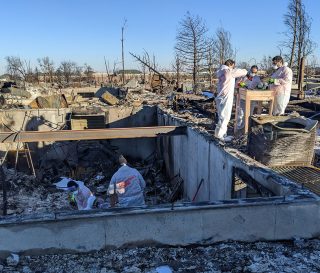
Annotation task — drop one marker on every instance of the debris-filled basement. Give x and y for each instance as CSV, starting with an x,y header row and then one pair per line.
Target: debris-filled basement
x,y
118,154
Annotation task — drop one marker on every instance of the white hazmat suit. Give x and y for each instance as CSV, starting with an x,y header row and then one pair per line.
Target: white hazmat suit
x,y
224,100
282,88
129,185
83,196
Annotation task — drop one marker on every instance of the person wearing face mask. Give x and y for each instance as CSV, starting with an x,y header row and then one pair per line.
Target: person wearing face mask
x,y
250,81
83,197
280,82
224,100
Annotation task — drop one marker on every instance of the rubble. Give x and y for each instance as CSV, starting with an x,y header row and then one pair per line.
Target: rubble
x,y
222,257
95,164
13,260
109,98
53,101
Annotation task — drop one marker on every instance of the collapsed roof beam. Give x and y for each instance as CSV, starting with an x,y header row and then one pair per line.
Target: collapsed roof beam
x,y
114,133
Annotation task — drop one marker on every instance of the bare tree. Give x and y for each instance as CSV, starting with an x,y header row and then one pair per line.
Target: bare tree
x,y
47,68
305,45
210,65
59,75
297,36
243,65
19,69
78,73
177,66
88,72
265,63
144,69
311,66
291,22
192,44
222,48
147,64
36,75
67,69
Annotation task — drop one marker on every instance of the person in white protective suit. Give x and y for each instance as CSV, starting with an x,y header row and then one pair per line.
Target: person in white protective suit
x,y
224,100
128,184
250,81
81,195
281,83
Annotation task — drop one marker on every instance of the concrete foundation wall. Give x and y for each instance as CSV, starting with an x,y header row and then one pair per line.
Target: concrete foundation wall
x,y
31,120
198,156
122,117
275,220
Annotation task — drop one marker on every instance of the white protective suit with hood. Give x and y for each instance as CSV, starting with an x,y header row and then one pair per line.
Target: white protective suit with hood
x,y
224,100
129,185
84,197
282,88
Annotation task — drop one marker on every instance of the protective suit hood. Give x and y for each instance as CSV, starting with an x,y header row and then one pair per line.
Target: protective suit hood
x,y
220,71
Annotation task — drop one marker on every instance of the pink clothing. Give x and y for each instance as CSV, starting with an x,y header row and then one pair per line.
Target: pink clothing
x,y
282,87
226,77
224,100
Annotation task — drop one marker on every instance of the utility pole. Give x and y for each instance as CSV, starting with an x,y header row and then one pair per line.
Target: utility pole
x,y
122,30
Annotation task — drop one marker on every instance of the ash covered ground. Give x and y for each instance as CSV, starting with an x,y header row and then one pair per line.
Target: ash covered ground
x,y
292,256
95,164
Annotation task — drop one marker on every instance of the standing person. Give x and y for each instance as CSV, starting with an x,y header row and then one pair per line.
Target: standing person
x,y
224,100
128,184
280,83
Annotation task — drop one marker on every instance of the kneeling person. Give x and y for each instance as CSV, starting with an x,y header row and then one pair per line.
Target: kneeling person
x,y
82,195
129,184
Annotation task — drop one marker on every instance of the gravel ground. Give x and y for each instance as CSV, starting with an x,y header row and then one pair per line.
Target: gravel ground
x,y
292,256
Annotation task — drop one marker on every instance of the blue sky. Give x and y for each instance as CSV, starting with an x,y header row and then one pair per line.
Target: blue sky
x,y
86,30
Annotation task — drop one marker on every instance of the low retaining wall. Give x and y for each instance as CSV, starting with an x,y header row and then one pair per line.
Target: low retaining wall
x,y
276,219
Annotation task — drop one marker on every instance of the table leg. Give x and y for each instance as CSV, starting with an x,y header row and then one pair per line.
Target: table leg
x,y
259,108
235,129
271,102
246,115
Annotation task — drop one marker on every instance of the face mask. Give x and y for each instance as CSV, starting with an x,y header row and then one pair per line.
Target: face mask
x,y
274,66
71,188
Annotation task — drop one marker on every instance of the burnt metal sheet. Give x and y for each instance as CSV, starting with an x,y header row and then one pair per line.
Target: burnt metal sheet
x,y
114,133
308,176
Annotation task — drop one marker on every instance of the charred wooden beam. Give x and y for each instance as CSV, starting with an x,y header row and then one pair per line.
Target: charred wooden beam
x,y
150,67
114,133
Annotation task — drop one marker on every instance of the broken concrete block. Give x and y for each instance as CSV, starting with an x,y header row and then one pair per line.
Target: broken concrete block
x,y
110,99
54,101
13,259
133,83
